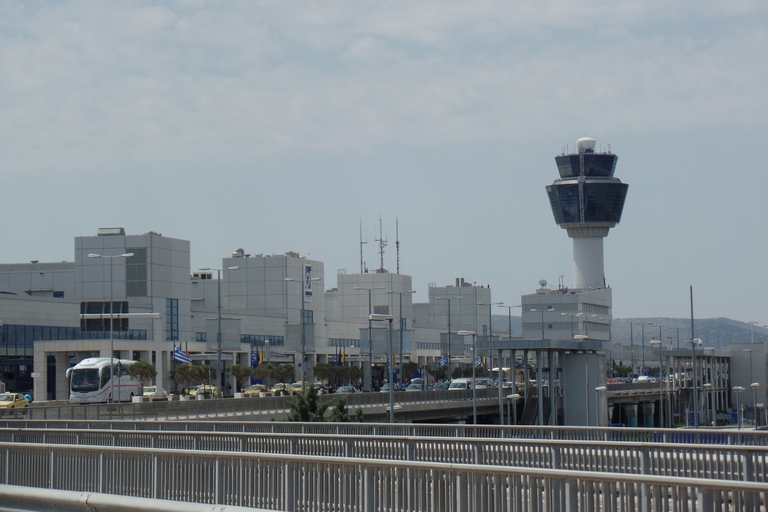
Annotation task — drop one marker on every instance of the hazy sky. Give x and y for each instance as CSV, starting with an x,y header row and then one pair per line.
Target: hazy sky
x,y
281,126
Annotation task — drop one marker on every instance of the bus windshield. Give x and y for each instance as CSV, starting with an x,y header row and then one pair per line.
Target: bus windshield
x,y
85,380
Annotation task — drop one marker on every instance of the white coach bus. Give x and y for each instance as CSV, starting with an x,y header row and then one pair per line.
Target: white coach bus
x,y
89,381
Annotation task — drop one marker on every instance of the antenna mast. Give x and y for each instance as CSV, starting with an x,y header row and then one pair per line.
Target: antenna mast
x,y
397,242
382,244
362,265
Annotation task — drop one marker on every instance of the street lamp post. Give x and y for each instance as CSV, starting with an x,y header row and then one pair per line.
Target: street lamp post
x,y
369,383
218,318
708,392
738,390
598,390
751,378
111,322
400,331
474,365
388,318
754,386
657,344
303,331
513,398
449,299
694,384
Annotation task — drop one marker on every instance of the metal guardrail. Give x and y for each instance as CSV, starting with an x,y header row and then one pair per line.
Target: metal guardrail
x,y
294,482
721,462
33,499
730,437
271,407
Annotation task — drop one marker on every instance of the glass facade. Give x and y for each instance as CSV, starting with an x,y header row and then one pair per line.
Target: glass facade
x,y
172,319
136,273
603,201
599,165
257,340
17,348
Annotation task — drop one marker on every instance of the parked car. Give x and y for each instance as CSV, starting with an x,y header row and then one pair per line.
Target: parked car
x,y
13,401
204,389
154,392
298,387
415,386
279,387
345,389
255,388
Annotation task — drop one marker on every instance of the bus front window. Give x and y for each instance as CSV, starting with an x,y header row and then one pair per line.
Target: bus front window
x,y
85,380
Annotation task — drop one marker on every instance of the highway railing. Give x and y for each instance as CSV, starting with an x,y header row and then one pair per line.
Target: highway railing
x,y
730,437
314,483
719,462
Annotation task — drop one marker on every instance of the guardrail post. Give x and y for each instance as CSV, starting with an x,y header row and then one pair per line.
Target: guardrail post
x,y
555,456
462,492
571,495
749,476
289,484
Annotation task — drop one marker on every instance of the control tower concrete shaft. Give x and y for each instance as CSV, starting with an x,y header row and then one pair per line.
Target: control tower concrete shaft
x,y
587,201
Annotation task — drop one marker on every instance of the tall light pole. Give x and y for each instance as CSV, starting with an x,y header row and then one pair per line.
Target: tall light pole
x,y
218,318
400,331
754,386
657,344
369,383
694,383
631,347
738,390
474,357
598,389
388,318
449,299
751,379
303,331
111,322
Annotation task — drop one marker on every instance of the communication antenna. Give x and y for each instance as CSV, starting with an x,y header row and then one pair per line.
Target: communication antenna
x,y
397,242
362,264
382,244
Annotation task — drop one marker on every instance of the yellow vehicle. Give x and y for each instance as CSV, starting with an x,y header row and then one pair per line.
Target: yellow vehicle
x,y
13,401
204,389
154,392
280,386
255,388
298,387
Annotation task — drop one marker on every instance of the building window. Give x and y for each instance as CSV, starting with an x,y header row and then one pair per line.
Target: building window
x,y
136,273
172,319
103,308
309,317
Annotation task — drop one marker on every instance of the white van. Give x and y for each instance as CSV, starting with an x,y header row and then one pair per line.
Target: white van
x,y
460,384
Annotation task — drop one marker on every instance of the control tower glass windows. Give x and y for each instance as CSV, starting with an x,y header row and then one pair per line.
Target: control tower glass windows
x,y
603,201
599,165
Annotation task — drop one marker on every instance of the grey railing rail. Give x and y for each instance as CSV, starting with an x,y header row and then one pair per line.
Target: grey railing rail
x,y
33,499
719,462
294,482
731,437
269,407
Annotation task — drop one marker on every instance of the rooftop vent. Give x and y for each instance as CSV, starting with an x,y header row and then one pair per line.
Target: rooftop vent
x,y
110,231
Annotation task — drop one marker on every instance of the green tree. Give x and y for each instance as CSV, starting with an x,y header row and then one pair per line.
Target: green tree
x,y
143,372
185,374
410,369
204,373
285,372
352,373
305,407
265,372
240,374
323,371
341,414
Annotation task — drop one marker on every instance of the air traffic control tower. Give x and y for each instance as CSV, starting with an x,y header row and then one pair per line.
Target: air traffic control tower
x,y
568,328
587,201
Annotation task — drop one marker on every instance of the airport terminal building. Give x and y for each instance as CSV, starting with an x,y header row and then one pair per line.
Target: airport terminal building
x,y
137,296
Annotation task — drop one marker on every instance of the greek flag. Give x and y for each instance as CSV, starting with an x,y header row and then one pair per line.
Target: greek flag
x,y
180,356
254,359
444,361
479,361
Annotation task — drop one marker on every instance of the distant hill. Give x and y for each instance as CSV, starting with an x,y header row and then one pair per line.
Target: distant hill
x,y
715,332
